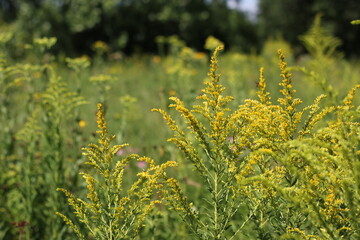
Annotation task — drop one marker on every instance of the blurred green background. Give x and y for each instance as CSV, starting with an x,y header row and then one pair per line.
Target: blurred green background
x,y
131,26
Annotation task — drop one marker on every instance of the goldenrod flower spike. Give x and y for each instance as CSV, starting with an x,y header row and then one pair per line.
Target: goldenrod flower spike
x,y
101,121
349,99
286,83
288,102
262,93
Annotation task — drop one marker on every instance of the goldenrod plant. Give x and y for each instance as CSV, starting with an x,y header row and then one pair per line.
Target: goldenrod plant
x,y
264,129
291,166
328,177
111,211
58,103
208,147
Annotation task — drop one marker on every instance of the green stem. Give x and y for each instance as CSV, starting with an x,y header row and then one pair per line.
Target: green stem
x,y
216,206
108,181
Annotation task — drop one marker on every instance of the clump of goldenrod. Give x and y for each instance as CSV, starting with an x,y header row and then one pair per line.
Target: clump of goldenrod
x,y
111,211
328,181
270,159
298,170
261,132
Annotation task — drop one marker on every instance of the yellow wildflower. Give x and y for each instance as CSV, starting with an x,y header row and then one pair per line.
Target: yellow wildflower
x,y
82,123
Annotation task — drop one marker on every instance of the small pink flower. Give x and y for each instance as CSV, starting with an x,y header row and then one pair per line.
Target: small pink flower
x,y
141,164
120,152
127,150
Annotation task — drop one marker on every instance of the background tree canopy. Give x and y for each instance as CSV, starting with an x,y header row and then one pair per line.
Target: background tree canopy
x,y
133,25
292,18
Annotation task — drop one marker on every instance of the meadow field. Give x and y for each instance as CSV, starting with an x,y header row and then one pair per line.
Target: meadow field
x,y
181,144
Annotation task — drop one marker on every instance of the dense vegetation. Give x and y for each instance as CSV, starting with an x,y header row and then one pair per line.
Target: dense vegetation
x,y
259,146
262,145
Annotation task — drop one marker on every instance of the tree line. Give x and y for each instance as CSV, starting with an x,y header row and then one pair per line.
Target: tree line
x,y
132,26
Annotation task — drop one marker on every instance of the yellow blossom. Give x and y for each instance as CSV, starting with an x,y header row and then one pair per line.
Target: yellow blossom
x,y
82,123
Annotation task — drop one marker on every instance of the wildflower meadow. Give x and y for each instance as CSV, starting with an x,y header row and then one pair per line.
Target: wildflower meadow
x,y
181,144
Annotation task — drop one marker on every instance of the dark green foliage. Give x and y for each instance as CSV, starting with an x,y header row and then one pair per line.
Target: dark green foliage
x,y
129,25
292,18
